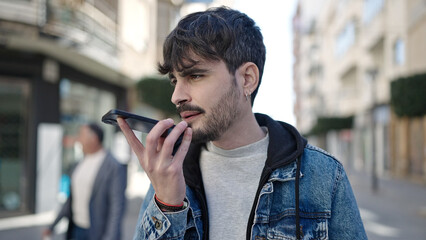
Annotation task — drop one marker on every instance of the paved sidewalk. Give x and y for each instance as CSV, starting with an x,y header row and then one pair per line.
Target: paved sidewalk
x,y
396,211
34,231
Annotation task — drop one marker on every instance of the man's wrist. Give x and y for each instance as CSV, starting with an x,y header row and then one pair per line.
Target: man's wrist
x,y
164,207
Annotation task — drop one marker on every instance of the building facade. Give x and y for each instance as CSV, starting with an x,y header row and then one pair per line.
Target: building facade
x,y
64,63
59,67
347,54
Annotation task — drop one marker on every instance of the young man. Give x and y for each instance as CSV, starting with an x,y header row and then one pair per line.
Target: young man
x,y
236,175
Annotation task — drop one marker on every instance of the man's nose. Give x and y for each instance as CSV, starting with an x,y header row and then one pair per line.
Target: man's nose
x,y
181,94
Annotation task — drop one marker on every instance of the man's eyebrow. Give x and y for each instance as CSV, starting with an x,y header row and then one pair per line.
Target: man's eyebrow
x,y
191,71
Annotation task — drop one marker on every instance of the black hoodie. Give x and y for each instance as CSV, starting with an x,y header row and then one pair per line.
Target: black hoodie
x,y
286,145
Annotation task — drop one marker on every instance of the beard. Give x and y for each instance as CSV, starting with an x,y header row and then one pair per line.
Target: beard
x,y
218,120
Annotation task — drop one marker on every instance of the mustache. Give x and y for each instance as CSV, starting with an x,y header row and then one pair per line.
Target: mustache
x,y
189,107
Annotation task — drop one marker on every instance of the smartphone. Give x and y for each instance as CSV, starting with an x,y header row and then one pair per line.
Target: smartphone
x,y
138,123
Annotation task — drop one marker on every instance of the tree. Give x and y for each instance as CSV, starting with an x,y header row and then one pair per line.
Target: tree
x,y
157,91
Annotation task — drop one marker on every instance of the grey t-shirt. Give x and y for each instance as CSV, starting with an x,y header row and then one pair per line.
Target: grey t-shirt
x,y
231,178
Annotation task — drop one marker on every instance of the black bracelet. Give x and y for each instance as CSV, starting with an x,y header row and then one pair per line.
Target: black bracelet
x,y
167,208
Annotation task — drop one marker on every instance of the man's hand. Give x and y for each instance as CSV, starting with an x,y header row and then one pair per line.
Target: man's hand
x,y
163,169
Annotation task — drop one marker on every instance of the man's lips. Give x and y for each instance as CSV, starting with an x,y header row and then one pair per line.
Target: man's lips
x,y
189,114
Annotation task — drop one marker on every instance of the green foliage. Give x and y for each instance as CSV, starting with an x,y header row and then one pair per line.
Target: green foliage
x,y
157,91
408,95
325,124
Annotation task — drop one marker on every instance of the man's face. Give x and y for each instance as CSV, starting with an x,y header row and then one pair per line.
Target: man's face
x,y
207,98
86,138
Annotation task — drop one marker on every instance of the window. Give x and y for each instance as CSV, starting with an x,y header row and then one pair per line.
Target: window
x,y
14,96
399,52
345,39
371,9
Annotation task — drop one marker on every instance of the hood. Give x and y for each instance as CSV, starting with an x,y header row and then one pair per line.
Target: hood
x,y
285,145
285,142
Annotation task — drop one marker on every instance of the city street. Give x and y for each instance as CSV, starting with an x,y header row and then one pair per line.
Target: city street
x,y
34,230
350,76
396,211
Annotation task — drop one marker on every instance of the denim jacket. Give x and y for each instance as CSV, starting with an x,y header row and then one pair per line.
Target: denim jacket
x,y
302,189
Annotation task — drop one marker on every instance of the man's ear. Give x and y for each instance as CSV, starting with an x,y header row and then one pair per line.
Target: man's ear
x,y
250,77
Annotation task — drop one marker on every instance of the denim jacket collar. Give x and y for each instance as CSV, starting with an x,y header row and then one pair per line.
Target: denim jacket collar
x,y
285,174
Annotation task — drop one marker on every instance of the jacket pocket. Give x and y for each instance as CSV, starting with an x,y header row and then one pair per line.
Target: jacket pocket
x,y
313,226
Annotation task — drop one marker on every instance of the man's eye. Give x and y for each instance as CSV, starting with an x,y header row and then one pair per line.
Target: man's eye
x,y
195,77
173,82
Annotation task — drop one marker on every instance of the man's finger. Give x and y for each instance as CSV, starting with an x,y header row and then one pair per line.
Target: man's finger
x,y
152,139
171,139
133,141
184,146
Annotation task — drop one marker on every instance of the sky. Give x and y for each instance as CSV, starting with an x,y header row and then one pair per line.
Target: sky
x,y
274,17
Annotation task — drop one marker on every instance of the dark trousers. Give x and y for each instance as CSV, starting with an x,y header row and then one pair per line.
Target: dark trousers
x,y
79,233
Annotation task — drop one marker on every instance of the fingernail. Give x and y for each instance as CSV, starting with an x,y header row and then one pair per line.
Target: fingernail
x,y
170,120
184,123
119,120
189,131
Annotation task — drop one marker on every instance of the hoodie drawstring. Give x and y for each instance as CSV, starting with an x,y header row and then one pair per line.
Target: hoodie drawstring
x,y
297,198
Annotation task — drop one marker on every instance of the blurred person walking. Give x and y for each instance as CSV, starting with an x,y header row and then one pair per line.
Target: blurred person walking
x,y
236,175
96,205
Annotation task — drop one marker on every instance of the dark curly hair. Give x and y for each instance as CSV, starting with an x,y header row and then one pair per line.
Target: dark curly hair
x,y
215,34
